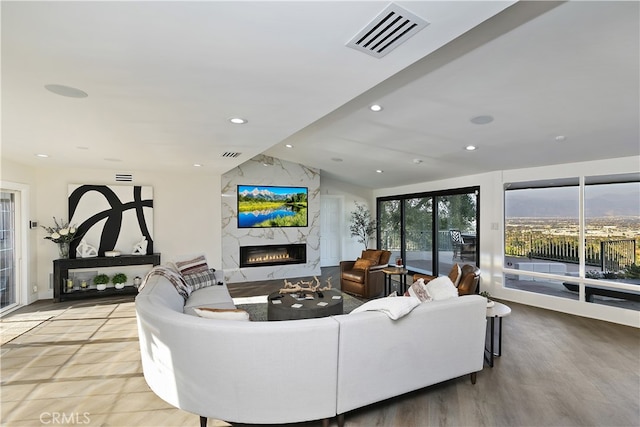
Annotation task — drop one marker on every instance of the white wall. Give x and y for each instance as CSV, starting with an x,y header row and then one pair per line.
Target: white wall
x,y
186,211
350,194
15,176
492,229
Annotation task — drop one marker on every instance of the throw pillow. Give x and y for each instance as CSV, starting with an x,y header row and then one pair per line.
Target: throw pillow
x,y
362,264
419,290
201,279
441,288
222,313
196,264
455,274
394,307
173,276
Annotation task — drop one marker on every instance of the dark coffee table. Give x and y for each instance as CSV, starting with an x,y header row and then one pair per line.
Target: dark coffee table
x,y
287,308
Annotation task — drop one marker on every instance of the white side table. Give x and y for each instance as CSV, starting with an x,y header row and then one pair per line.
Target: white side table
x,y
498,311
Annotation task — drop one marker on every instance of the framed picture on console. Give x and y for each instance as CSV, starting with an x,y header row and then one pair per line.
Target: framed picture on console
x,y
265,206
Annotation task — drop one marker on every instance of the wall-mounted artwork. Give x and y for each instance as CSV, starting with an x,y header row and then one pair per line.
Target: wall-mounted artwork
x,y
262,206
112,217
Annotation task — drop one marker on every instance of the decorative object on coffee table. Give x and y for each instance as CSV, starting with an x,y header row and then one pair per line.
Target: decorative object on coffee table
x,y
303,287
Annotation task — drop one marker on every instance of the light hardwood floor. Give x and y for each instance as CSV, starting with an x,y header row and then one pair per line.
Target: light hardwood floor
x,y
82,358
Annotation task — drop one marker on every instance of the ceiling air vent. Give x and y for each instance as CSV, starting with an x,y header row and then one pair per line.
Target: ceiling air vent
x,y
387,31
231,154
124,177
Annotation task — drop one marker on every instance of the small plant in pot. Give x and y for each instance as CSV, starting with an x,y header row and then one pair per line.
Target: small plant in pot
x,y
487,295
101,281
119,280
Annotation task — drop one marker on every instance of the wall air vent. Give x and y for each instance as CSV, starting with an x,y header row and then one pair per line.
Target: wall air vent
x,y
124,177
231,154
387,31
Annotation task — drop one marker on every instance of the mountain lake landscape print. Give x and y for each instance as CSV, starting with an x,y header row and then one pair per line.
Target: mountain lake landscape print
x,y
262,206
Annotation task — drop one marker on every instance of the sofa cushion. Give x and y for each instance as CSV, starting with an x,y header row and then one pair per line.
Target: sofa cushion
x,y
353,276
394,307
222,313
193,264
441,288
384,257
362,264
211,296
373,255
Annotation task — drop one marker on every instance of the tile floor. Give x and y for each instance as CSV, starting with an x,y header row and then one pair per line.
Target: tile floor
x,y
78,364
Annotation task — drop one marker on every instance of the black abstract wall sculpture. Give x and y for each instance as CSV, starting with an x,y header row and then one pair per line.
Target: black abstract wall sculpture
x,y
111,217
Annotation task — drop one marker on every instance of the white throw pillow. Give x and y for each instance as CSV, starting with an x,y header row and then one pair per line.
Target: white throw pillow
x,y
394,307
222,313
441,288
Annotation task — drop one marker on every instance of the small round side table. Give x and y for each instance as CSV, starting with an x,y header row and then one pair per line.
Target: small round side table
x,y
497,311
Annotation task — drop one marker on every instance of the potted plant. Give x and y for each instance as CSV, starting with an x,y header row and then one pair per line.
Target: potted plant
x,y
101,281
362,225
487,295
119,280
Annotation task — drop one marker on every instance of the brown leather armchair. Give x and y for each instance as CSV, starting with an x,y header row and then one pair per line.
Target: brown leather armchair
x,y
364,279
469,280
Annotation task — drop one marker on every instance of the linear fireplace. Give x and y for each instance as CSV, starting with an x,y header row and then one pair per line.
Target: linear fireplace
x,y
267,255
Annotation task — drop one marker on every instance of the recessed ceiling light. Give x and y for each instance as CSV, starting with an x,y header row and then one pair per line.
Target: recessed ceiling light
x,y
470,147
288,145
481,120
379,171
560,138
197,165
68,91
42,155
238,120
417,161
376,107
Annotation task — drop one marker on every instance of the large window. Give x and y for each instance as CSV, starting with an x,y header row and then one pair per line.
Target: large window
x,y
408,227
554,247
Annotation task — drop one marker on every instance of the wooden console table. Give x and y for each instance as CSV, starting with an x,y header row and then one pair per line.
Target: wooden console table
x,y
61,269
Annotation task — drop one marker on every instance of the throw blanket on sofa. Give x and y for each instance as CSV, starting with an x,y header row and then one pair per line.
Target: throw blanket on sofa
x,y
174,277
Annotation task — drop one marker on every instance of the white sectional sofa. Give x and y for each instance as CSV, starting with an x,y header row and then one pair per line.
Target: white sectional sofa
x,y
299,370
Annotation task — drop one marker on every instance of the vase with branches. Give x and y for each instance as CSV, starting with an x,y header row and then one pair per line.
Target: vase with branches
x,y
363,226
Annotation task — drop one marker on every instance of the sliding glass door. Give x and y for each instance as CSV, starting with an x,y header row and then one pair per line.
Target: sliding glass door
x,y
389,232
409,229
418,228
7,250
457,233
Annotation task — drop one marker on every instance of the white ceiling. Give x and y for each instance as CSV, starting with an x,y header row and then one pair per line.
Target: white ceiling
x,y
163,78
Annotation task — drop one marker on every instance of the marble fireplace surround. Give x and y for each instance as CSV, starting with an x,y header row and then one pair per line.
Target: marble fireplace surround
x,y
265,170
